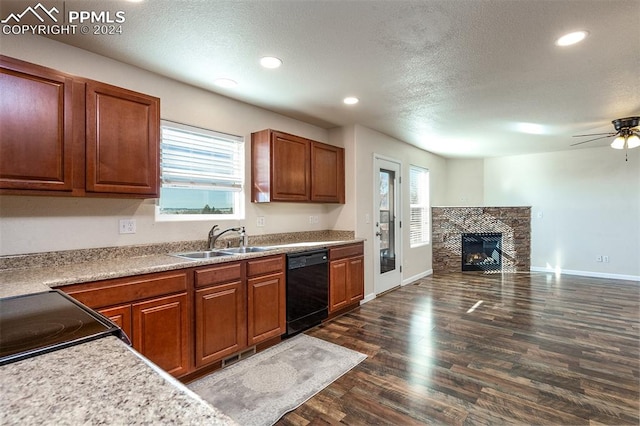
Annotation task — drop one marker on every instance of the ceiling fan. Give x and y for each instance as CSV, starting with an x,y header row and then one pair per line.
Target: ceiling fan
x,y
627,134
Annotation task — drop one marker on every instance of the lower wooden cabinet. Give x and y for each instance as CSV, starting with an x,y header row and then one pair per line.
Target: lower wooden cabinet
x,y
160,332
220,313
346,276
266,299
153,310
121,316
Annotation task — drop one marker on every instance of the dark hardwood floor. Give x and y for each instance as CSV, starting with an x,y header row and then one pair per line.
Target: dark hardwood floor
x,y
537,349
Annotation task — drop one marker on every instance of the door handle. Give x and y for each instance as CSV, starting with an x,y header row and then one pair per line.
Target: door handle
x,y
378,234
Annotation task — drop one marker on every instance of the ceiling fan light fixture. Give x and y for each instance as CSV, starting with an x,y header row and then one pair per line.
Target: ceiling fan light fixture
x,y
618,142
633,141
572,38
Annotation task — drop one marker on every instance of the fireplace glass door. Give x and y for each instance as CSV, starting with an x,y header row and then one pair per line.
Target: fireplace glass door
x,y
482,251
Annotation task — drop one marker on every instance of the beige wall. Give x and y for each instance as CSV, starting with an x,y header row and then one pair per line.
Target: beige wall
x,y
464,182
416,261
38,224
585,203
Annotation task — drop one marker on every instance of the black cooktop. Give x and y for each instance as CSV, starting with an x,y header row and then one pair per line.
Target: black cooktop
x,y
36,323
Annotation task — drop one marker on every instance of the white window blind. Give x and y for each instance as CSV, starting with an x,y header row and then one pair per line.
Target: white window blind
x,y
198,158
419,205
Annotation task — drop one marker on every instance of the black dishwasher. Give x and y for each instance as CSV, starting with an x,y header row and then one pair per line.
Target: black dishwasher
x,y
307,290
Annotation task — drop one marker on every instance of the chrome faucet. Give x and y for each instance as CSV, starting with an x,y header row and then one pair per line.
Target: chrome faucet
x,y
213,237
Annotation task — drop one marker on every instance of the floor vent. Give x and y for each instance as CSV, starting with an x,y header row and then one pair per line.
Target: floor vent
x,y
239,356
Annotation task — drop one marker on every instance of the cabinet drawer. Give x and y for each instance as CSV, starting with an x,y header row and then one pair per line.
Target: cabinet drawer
x,y
218,274
346,251
265,266
121,290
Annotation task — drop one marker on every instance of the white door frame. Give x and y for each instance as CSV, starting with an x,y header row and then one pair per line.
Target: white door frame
x,y
391,279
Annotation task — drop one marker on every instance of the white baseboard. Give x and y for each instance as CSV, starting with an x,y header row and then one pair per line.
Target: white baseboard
x,y
368,298
586,273
407,281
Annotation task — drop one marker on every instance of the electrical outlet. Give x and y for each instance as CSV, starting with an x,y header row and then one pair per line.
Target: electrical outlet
x,y
598,258
605,259
127,226
260,221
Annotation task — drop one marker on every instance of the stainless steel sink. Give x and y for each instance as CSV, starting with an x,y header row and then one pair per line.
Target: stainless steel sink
x,y
238,250
207,254
202,254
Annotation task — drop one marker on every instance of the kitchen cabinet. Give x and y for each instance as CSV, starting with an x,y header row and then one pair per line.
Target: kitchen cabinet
x,y
121,316
160,332
36,118
327,171
346,276
66,135
287,167
266,299
153,310
220,312
122,141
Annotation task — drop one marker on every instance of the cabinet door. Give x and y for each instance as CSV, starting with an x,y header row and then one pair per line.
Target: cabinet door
x,y
290,169
36,121
221,322
160,328
121,316
338,278
327,173
122,132
355,280
266,307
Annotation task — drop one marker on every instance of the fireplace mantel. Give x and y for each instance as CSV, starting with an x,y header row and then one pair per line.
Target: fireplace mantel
x,y
449,223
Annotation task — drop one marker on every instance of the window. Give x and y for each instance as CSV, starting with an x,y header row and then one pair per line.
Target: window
x,y
419,205
202,174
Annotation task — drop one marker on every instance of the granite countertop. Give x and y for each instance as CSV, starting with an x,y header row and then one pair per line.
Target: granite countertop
x,y
98,382
105,381
19,281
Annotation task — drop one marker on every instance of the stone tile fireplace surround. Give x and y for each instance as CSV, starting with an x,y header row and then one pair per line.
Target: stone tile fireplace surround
x,y
449,223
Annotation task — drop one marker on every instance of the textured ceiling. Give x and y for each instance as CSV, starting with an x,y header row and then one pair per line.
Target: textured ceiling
x,y
454,77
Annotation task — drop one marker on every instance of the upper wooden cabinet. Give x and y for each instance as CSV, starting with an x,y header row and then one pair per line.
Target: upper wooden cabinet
x,y
65,135
327,171
36,122
286,167
122,140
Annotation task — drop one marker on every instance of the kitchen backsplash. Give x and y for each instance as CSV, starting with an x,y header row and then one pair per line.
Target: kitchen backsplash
x,y
67,257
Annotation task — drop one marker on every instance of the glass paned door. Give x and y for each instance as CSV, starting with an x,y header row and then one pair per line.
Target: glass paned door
x,y
387,240
386,215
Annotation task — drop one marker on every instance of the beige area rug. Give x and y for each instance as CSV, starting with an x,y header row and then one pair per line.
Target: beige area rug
x,y
259,390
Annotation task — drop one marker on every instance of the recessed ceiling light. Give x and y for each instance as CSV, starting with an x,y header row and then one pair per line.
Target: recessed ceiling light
x,y
351,100
225,82
270,62
571,38
530,128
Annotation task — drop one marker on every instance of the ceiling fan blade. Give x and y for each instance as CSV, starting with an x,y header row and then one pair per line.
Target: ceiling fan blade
x,y
596,134
595,139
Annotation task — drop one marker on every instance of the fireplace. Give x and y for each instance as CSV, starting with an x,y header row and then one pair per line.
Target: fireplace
x,y
449,223
482,251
